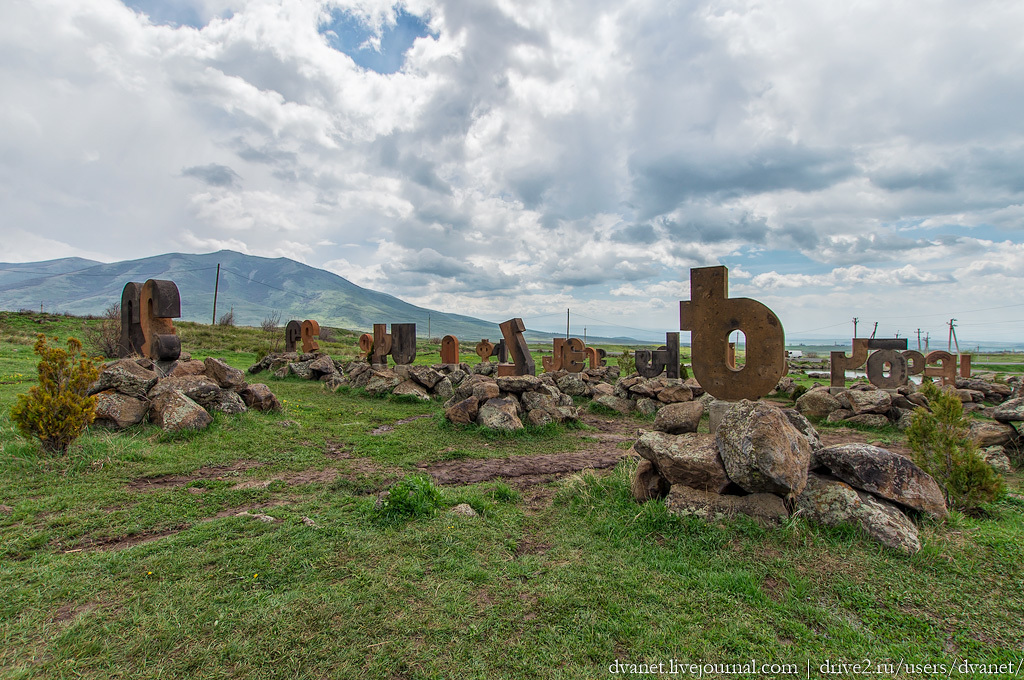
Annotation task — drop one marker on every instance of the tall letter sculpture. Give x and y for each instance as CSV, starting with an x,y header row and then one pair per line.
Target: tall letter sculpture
x,y
146,326
400,343
449,349
650,364
892,354
710,316
310,329
569,355
292,335
596,357
515,344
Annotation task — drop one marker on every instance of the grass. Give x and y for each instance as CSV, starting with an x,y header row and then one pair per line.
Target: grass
x,y
555,581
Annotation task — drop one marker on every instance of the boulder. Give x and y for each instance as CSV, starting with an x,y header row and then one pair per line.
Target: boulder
x,y
425,376
869,401
838,415
623,406
225,376
518,383
538,417
573,385
213,398
185,383
918,399
761,450
466,387
688,459
986,433
601,388
464,411
299,369
997,458
381,381
188,368
172,411
647,407
499,414
321,366
833,503
675,393
797,420
869,420
443,389
680,417
125,376
120,410
647,483
412,389
1010,411
816,404
485,390
764,507
258,397
885,474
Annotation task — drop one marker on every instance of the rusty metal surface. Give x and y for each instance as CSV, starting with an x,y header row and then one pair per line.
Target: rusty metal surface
x,y
310,329
449,349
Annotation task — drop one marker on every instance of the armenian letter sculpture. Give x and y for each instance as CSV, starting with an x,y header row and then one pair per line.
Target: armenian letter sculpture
x,y
515,344
569,355
305,331
449,349
711,316
399,344
146,326
891,355
651,364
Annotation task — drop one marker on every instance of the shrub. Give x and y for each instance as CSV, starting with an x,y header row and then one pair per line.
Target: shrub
x,y
104,338
412,496
327,334
271,322
627,364
57,411
227,319
943,449
798,391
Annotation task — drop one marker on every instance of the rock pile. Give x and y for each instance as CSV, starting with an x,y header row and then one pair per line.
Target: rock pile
x,y
176,397
507,402
649,395
768,462
312,366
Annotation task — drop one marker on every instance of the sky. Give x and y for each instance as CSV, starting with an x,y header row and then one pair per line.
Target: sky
x,y
503,158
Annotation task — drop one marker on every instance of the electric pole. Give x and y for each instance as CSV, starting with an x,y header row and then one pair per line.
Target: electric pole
x,y
952,337
566,324
428,327
927,339
855,320
918,339
216,285
874,330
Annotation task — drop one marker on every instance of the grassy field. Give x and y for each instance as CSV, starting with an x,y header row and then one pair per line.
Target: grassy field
x,y
128,558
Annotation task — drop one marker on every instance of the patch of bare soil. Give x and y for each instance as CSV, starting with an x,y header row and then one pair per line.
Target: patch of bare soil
x,y
337,450
219,472
844,435
388,428
71,610
521,470
325,476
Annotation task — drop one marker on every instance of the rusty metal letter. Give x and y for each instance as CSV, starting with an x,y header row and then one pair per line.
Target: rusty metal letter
x,y
449,349
650,364
292,335
159,302
310,328
132,338
711,316
946,369
965,366
842,363
515,344
485,350
403,343
595,357
897,369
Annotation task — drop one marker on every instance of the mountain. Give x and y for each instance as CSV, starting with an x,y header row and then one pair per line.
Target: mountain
x,y
253,287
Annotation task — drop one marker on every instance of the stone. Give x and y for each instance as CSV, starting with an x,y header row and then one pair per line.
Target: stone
x,y
299,369
213,398
258,397
457,376
873,401
875,420
225,376
185,383
499,414
463,510
1010,411
381,381
463,412
573,385
838,415
675,393
187,368
997,458
711,317
647,406
816,404
904,419
486,390
120,410
885,474
688,459
833,503
763,507
539,417
172,411
597,389
986,433
125,376
804,426
321,366
443,389
518,383
411,388
647,483
623,406
762,451
426,376
449,350
679,418
918,399
716,410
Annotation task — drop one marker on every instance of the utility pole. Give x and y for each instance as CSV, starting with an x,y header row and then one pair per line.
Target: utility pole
x,y
566,324
918,339
428,327
927,339
855,320
216,285
952,337
584,335
874,330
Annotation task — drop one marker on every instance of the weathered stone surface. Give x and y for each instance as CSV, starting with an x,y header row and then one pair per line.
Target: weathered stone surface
x,y
463,412
185,383
187,368
838,415
804,426
918,399
463,509
1010,411
173,411
518,383
675,393
985,433
762,451
499,414
443,389
486,390
300,369
381,382
599,388
872,401
688,459
425,376
997,458
321,366
126,377
816,404
647,482
904,418
679,417
831,502
623,406
885,474
120,410
573,385
869,420
539,417
225,376
764,507
413,389
213,398
258,397
647,406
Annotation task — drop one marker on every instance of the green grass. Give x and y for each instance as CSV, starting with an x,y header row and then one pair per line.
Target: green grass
x,y
556,581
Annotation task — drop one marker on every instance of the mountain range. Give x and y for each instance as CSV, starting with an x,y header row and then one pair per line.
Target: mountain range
x,y
254,288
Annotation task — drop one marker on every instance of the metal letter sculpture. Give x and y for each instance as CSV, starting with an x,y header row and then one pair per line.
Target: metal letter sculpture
x,y
569,355
515,344
892,354
146,326
596,357
710,316
400,343
292,335
651,364
310,328
946,369
449,349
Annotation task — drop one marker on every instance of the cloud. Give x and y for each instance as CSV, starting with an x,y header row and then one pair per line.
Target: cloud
x,y
213,175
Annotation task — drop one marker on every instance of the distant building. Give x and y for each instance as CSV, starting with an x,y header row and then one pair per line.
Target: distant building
x,y
794,353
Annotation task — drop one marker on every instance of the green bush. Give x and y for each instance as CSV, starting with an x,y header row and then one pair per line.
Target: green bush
x,y
627,364
943,449
412,496
57,411
798,391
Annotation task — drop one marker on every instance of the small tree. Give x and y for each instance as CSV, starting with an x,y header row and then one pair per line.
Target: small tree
x,y
271,322
104,338
227,319
943,449
627,364
57,410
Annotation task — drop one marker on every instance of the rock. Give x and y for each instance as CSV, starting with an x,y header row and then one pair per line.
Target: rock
x,y
213,398
466,387
689,459
834,503
464,510
918,399
869,401
762,451
443,389
904,419
985,433
765,507
412,389
499,414
647,483
623,406
675,393
997,458
464,411
258,397
797,420
426,376
381,381
885,474
573,385
173,411
539,417
869,420
225,376
518,383
816,404
601,388
457,376
1010,411
185,383
647,406
299,369
126,377
838,415
486,390
679,417
119,410
321,366
187,368
484,368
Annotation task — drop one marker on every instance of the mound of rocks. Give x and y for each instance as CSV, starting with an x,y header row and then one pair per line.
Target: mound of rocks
x,y
312,366
768,462
176,396
509,402
648,396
